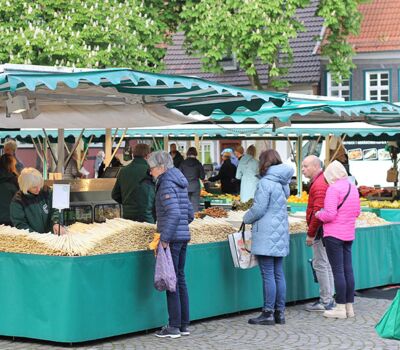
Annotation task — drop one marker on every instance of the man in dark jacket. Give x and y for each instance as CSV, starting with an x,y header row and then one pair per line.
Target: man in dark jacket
x,y
134,188
174,214
176,155
311,168
194,172
226,175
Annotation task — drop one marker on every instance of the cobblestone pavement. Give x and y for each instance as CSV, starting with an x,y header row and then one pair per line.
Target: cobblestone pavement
x,y
303,330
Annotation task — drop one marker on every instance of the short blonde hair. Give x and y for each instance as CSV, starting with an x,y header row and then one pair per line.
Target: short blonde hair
x,y
10,146
30,177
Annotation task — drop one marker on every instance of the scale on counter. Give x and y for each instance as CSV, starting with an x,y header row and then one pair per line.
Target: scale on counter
x,y
90,200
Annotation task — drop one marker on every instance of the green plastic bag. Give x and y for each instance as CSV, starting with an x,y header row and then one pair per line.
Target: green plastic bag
x,y
389,325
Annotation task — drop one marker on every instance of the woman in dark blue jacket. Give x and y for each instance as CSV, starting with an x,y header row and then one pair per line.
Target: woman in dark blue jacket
x,y
174,214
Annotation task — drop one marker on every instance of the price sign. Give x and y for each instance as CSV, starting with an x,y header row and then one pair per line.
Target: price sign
x,y
61,196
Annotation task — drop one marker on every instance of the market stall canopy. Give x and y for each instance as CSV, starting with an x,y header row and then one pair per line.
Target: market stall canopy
x,y
311,109
256,130
53,97
248,131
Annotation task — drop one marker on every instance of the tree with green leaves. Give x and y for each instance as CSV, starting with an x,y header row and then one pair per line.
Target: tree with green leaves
x,y
87,33
341,19
254,30
249,30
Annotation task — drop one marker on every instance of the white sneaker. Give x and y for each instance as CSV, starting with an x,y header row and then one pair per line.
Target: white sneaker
x,y
349,310
339,311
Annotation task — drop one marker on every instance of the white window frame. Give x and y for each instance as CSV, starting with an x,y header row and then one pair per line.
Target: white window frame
x,y
377,88
210,143
340,88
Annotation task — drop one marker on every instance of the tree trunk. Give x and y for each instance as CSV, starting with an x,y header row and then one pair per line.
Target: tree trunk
x,y
255,81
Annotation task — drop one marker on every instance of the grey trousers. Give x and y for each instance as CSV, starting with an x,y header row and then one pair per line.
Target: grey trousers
x,y
194,198
323,271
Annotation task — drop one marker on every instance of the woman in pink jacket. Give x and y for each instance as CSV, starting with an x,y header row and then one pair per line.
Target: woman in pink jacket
x,y
341,209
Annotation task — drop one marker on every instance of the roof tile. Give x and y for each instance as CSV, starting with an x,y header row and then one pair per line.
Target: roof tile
x,y
305,67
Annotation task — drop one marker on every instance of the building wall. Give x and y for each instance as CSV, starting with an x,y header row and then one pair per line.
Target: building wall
x,y
358,77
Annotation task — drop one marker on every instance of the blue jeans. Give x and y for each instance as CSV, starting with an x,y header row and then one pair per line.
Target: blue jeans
x,y
274,284
339,255
178,302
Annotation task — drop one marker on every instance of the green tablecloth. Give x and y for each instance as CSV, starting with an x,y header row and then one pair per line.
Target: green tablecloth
x,y
294,207
392,215
84,298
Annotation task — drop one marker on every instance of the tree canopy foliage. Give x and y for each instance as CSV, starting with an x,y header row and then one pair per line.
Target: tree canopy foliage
x,y
134,34
262,29
86,33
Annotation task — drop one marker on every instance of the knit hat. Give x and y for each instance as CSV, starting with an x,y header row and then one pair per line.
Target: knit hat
x,y
335,171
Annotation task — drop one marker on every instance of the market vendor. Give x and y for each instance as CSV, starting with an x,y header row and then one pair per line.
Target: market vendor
x,y
226,175
135,189
31,207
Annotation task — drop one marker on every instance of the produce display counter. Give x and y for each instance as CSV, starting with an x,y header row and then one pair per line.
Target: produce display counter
x,y
392,215
75,299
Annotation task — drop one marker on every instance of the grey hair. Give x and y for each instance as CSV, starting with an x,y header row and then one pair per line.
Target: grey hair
x,y
160,159
30,177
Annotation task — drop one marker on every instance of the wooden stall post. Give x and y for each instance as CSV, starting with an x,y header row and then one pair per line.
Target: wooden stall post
x,y
60,151
108,147
327,158
166,139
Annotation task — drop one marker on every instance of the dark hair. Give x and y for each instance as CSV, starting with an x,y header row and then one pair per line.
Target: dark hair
x,y
141,150
192,151
239,149
8,163
269,158
251,151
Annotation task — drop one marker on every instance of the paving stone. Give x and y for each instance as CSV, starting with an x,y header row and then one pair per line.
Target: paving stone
x,y
303,330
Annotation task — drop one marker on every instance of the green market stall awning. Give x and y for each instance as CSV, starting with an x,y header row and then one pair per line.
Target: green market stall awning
x,y
187,131
118,97
303,108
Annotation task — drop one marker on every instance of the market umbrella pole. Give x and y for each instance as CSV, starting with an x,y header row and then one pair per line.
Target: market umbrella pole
x,y
299,159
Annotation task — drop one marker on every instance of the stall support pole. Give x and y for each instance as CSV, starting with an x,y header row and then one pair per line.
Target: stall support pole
x,y
60,151
49,147
299,159
166,139
45,163
119,143
197,143
108,147
327,141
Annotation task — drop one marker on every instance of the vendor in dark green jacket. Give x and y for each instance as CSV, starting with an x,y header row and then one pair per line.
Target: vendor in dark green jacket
x,y
8,186
31,207
134,188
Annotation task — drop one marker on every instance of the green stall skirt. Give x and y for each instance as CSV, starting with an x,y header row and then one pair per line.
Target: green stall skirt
x,y
75,299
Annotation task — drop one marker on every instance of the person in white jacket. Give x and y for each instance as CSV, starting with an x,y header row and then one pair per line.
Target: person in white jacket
x,y
247,172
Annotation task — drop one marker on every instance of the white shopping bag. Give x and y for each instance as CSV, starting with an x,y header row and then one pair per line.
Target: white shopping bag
x,y
240,244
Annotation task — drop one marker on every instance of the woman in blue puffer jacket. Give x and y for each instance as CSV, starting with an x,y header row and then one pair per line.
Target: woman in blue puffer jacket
x,y
270,234
174,214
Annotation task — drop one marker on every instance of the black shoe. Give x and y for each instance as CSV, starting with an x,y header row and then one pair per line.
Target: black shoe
x,y
184,331
266,318
168,332
279,316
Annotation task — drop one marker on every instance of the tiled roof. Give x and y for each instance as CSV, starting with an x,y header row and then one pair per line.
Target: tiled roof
x,y
305,67
380,27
